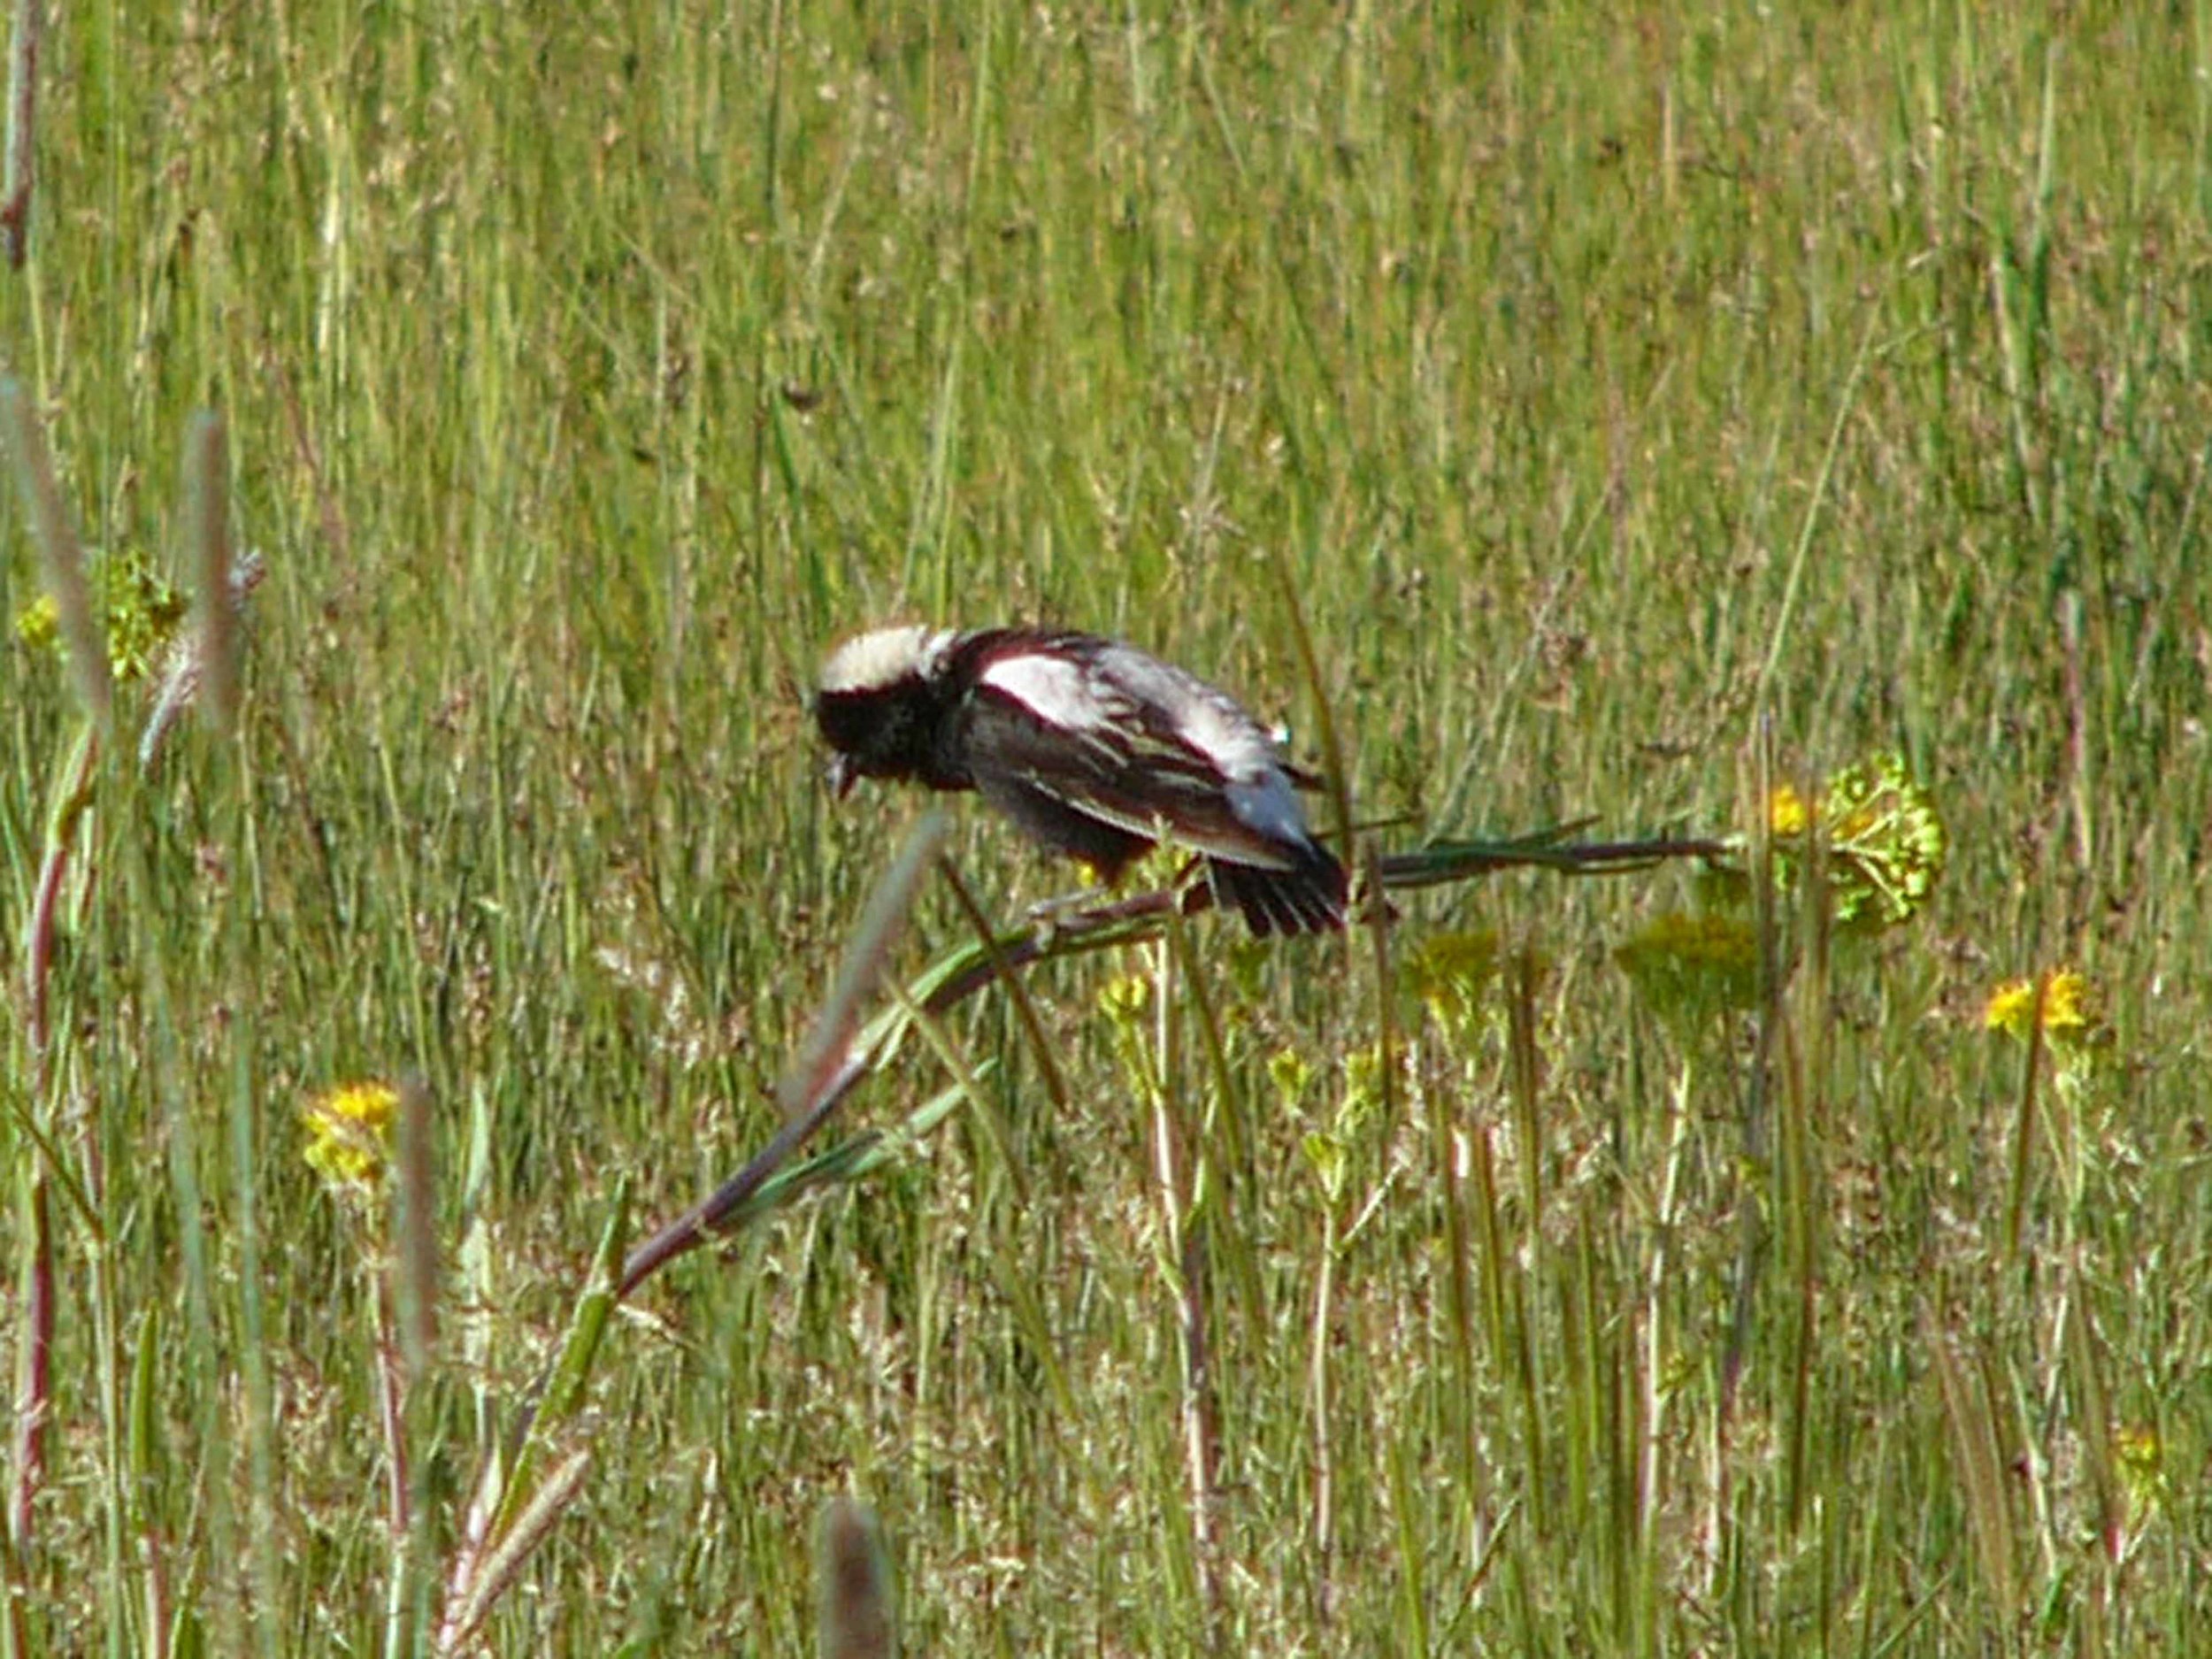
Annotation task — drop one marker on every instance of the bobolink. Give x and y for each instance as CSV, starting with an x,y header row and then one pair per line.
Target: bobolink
x,y
1093,748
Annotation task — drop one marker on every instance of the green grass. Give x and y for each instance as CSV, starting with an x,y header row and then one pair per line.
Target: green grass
x,y
1611,385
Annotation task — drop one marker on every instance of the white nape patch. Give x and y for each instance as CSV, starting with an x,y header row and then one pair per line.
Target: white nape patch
x,y
1055,690
883,657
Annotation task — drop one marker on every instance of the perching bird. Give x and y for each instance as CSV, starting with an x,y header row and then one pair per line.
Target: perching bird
x,y
1092,747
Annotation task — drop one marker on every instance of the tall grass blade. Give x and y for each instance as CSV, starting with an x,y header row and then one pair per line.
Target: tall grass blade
x,y
857,1613
61,558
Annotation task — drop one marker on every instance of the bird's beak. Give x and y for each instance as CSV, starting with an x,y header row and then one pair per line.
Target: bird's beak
x,y
841,776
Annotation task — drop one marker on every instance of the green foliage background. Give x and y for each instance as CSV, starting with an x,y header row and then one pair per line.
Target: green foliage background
x,y
1609,380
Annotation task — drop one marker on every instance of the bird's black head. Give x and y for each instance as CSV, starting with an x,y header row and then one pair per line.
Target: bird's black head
x,y
880,706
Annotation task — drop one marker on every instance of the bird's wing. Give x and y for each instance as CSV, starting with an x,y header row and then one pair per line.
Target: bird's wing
x,y
1061,727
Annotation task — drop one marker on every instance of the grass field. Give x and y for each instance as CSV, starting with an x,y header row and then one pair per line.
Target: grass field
x,y
1640,409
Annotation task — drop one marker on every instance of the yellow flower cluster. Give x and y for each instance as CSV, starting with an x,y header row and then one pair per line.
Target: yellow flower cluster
x,y
1292,1074
1685,963
38,625
1788,815
1124,1000
1884,842
348,1133
2072,1016
1450,972
141,611
2141,1455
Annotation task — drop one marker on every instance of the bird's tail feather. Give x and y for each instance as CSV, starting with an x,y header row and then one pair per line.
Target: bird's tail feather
x,y
1307,898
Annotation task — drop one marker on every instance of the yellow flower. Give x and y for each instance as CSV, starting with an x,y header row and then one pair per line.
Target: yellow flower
x,y
38,625
1330,1161
1449,973
348,1133
1886,845
1292,1074
2011,1006
2139,1449
2067,1006
2073,1010
1684,964
142,612
1786,813
1363,1081
2141,1455
1884,842
1124,1000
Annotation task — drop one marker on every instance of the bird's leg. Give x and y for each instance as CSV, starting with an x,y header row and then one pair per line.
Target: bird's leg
x,y
1050,914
